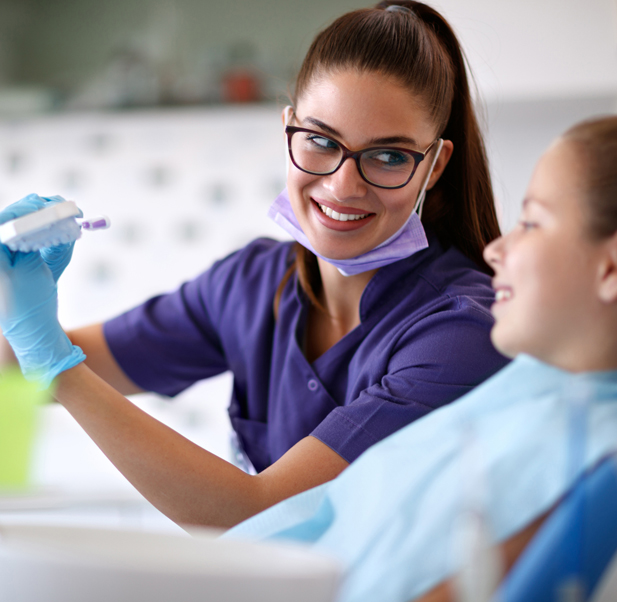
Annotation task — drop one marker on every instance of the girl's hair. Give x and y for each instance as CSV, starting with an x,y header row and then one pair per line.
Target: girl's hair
x,y
418,49
596,143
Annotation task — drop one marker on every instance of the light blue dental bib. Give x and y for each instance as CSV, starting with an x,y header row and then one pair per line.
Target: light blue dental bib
x,y
391,516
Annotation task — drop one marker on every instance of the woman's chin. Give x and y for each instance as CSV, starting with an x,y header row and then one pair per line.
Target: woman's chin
x,y
334,248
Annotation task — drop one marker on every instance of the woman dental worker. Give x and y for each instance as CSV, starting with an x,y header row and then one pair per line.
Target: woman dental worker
x,y
373,319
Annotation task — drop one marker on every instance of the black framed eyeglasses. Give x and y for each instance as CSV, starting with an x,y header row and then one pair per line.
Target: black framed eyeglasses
x,y
381,166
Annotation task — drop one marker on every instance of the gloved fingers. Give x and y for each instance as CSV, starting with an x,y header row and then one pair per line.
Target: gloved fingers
x,y
54,200
29,204
57,258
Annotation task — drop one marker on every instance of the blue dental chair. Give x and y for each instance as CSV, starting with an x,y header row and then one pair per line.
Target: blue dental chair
x,y
573,547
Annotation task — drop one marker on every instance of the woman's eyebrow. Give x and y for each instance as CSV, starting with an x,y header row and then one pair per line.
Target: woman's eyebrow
x,y
406,140
322,126
379,141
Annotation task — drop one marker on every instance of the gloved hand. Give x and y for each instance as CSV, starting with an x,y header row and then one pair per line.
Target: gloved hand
x,y
29,321
58,257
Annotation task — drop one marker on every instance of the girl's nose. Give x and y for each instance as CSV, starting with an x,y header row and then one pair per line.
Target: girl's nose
x,y
493,252
346,181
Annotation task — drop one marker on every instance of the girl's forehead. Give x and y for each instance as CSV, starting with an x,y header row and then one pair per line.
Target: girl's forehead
x,y
557,182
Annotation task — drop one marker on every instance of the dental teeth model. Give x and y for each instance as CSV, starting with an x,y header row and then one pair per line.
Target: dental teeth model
x,y
48,227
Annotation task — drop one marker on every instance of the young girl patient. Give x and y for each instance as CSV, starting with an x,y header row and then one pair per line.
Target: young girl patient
x,y
391,517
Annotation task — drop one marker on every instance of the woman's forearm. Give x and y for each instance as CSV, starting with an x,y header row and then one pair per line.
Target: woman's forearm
x,y
184,481
187,483
99,358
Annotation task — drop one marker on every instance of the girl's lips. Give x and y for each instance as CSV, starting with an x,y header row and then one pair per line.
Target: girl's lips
x,y
502,294
338,224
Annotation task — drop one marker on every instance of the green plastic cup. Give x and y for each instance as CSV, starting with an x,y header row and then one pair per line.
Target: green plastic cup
x,y
19,403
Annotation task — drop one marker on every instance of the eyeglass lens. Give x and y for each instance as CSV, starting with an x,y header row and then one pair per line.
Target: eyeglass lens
x,y
382,166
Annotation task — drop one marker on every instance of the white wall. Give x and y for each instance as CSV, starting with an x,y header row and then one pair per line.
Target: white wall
x,y
531,49
518,48
182,188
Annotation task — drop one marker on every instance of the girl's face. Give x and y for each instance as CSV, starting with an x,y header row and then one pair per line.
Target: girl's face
x,y
546,268
359,110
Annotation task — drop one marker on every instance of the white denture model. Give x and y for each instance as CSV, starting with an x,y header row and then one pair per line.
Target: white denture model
x,y
48,227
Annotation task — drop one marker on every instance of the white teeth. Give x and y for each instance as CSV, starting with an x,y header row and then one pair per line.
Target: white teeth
x,y
502,294
342,217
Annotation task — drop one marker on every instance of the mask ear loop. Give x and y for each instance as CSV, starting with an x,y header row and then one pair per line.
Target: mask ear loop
x,y
422,195
287,115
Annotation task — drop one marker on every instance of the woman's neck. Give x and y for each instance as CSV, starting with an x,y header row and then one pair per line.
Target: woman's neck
x,y
340,295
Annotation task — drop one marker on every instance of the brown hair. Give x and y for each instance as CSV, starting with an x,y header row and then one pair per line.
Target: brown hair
x,y
419,49
596,143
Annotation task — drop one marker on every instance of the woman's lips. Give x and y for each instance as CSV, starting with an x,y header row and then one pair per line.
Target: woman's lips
x,y
341,219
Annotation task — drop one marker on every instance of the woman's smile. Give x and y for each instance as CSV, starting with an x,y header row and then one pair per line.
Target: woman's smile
x,y
342,215
340,218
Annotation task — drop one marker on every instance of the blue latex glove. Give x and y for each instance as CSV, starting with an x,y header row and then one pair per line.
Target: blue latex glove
x,y
30,320
58,257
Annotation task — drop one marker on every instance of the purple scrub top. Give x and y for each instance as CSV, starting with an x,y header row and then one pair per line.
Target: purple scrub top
x,y
423,341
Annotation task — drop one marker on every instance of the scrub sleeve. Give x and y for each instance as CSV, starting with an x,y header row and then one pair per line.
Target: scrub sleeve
x,y
423,341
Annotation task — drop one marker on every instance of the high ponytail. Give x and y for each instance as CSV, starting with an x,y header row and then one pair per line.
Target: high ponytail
x,y
461,209
418,48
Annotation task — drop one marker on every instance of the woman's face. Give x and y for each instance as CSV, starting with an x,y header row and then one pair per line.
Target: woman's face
x,y
546,268
359,110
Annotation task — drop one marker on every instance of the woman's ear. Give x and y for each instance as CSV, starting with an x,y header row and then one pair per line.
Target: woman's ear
x,y
287,114
441,163
607,287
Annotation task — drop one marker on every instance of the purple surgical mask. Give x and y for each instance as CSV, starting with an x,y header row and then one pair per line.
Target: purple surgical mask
x,y
409,239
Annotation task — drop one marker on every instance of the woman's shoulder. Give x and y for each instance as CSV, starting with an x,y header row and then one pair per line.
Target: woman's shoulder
x,y
436,279
261,250
451,270
450,277
261,259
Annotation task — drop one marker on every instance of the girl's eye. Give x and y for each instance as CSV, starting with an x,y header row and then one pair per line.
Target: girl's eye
x,y
525,225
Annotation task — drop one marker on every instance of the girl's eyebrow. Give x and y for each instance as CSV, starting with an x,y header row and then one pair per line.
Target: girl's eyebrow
x,y
534,200
374,141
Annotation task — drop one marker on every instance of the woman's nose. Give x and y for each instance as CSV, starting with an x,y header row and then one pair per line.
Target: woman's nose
x,y
346,181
